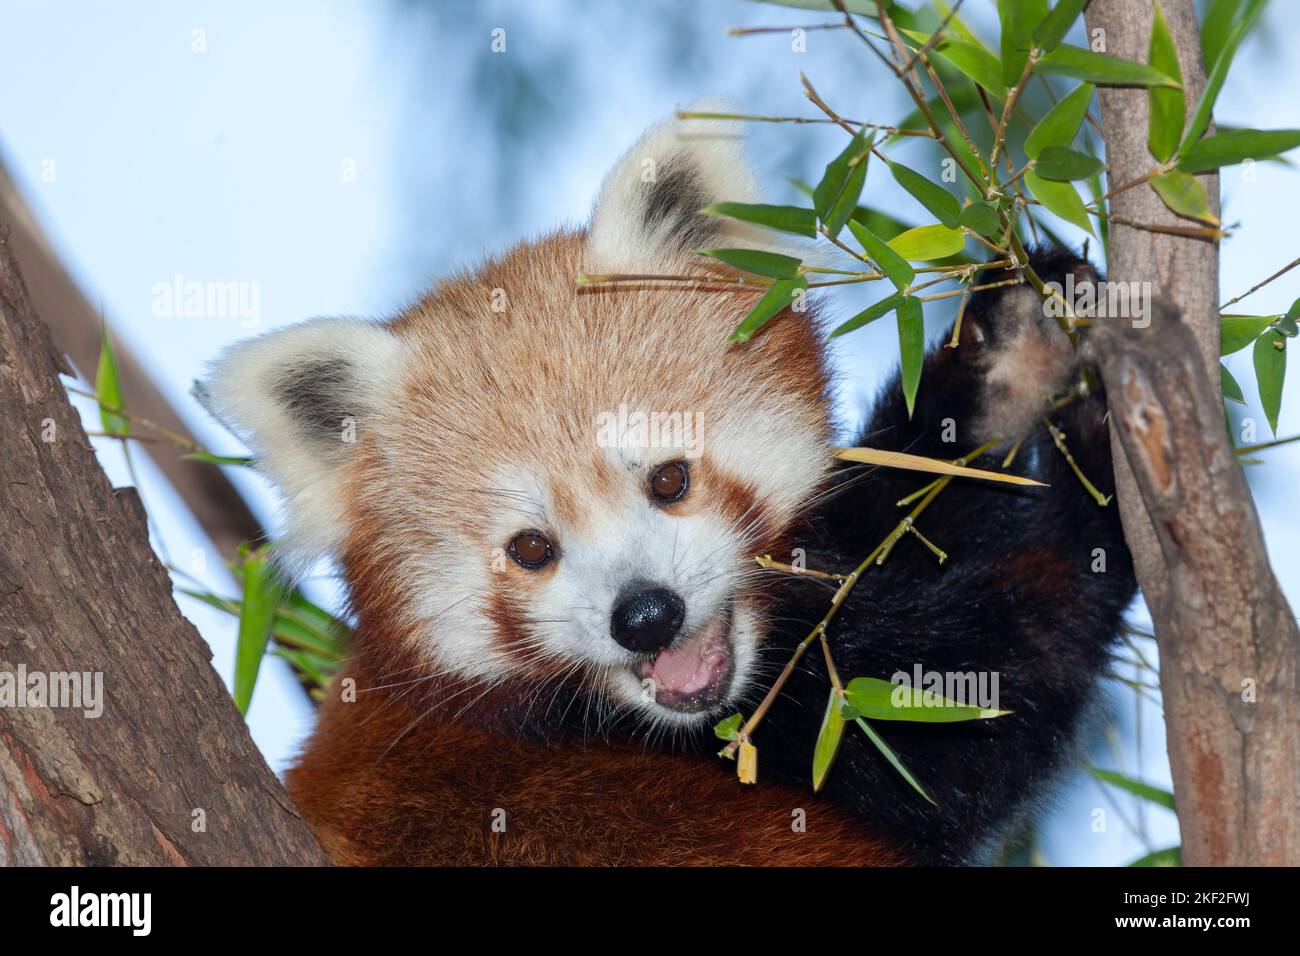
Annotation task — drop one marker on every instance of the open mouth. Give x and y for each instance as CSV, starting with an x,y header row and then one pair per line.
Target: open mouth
x,y
694,673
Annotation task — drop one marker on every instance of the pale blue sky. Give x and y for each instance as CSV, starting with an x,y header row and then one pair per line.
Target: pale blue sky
x,y
228,164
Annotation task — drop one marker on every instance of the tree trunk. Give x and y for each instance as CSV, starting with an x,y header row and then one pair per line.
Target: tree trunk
x,y
1228,641
168,773
78,330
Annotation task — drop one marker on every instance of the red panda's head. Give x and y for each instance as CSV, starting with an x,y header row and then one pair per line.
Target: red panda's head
x,y
526,479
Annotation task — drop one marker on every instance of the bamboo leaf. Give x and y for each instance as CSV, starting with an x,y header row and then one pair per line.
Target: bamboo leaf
x,y
1231,389
777,298
1057,24
108,389
971,60
1238,331
1018,19
1146,791
1061,164
934,466
1200,120
828,741
942,204
893,265
878,699
757,261
1061,122
1165,106
1215,26
892,757
1059,198
1270,372
794,219
1100,68
256,613
728,728
836,196
911,347
928,243
868,315
1226,149
211,459
982,218
1184,194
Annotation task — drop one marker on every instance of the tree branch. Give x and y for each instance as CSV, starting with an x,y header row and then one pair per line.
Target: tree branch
x,y
1229,646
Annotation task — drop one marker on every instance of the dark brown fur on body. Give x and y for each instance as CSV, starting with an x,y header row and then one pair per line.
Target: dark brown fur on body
x,y
383,785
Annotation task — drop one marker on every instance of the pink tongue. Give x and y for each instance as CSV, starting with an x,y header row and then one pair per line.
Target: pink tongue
x,y
690,666
674,669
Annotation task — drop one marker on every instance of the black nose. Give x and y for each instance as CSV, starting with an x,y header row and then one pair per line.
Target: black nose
x,y
647,618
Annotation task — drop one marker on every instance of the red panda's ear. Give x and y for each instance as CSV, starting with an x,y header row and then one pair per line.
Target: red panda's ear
x,y
649,214
301,398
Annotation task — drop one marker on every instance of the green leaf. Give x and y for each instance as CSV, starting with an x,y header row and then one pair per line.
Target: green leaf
x,y
1238,331
1270,371
982,218
1183,194
211,459
1100,68
836,196
1225,149
1170,856
892,757
1062,164
1057,24
778,297
1165,106
1200,120
1215,25
1231,390
1018,19
256,614
1059,198
911,347
927,243
942,204
890,262
974,62
795,219
757,261
1062,121
109,391
828,741
728,728
883,700
869,314
1146,791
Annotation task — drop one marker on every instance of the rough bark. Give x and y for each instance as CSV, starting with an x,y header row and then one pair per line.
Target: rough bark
x,y
168,774
1224,628
77,328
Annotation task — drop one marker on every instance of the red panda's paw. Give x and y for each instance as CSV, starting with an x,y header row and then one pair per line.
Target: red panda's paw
x,y
1025,359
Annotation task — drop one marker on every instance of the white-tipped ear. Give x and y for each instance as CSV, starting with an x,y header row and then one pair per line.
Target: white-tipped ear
x,y
649,214
301,398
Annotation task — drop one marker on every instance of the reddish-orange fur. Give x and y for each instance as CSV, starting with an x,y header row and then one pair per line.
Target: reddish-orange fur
x,y
430,800
413,770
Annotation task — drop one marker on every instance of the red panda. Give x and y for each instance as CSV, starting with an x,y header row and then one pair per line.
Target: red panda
x,y
554,602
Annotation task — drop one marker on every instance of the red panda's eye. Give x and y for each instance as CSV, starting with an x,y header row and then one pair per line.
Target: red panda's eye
x,y
531,549
669,482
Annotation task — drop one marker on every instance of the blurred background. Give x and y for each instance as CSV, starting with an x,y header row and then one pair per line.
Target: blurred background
x,y
337,158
